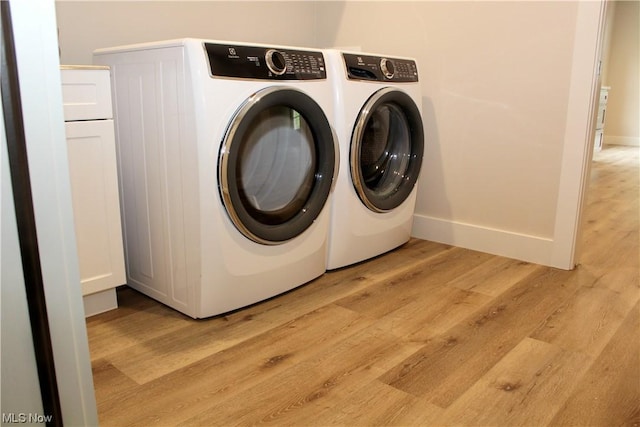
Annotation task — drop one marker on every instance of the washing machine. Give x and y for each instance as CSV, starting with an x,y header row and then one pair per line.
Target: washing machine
x,y
381,138
226,158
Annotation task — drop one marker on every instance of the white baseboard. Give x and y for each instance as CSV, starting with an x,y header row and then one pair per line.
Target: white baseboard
x,y
622,140
100,302
534,249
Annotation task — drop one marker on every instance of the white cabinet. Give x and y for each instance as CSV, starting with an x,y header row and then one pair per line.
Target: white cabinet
x,y
91,149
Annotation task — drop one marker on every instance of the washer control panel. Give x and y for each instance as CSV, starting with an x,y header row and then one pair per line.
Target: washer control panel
x,y
256,62
381,69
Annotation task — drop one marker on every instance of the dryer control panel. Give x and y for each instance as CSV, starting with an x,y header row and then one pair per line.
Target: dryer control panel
x,y
381,69
258,62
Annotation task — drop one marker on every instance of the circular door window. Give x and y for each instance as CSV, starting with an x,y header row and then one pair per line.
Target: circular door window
x,y
276,165
387,146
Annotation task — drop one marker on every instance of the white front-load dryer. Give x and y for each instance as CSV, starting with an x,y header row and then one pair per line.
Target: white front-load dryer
x,y
381,138
226,161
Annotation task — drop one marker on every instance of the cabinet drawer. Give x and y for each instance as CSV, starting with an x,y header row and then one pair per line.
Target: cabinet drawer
x,y
86,93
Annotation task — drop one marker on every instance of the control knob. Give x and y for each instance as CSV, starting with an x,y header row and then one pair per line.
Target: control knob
x,y
276,62
387,67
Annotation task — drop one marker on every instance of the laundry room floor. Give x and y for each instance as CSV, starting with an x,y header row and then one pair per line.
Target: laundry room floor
x,y
425,335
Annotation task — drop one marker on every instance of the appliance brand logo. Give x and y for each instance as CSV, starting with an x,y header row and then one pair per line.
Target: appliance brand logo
x,y
232,53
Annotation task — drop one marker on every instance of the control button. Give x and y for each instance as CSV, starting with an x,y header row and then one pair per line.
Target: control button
x,y
387,68
276,62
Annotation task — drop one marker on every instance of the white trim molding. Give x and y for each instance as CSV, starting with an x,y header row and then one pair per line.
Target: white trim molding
x,y
584,96
35,34
622,140
524,247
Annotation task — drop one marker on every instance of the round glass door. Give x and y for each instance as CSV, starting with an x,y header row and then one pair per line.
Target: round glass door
x,y
387,146
276,165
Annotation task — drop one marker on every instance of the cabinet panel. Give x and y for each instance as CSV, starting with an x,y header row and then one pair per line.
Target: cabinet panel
x,y
86,93
94,186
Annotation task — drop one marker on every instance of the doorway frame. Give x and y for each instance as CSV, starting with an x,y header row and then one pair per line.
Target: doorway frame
x,y
579,140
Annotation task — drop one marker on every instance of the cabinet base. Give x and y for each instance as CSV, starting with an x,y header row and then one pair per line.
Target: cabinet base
x,y
100,302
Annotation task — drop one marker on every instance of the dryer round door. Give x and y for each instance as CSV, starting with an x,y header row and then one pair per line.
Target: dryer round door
x,y
387,146
276,165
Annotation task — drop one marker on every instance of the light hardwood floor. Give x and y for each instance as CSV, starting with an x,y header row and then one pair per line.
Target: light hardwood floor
x,y
425,335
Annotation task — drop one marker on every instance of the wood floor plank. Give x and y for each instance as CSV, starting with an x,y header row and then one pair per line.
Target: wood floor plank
x,y
444,368
110,382
533,375
612,247
425,335
609,393
374,403
133,327
193,338
432,312
494,276
341,283
165,353
622,280
610,238
386,296
587,322
299,392
193,388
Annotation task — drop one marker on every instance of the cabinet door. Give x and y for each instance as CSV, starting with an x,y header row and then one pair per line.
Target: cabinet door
x,y
96,206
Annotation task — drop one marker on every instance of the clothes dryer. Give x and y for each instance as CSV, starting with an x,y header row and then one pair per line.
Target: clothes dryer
x,y
226,160
377,106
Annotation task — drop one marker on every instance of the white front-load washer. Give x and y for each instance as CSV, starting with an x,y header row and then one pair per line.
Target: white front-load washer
x,y
381,138
226,161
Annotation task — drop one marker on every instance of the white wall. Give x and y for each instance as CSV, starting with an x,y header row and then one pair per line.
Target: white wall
x,y
622,66
495,78
496,81
87,25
